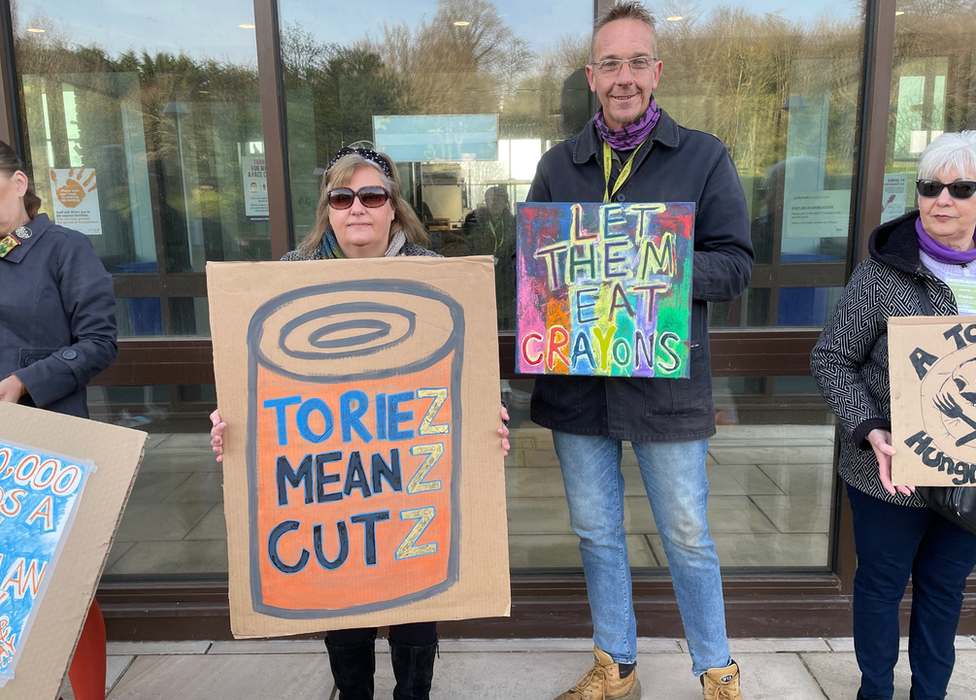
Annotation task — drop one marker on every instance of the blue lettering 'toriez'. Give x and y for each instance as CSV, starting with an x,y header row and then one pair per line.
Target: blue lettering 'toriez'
x,y
279,405
353,419
314,404
396,416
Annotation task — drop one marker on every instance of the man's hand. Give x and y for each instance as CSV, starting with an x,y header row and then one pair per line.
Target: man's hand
x,y
12,389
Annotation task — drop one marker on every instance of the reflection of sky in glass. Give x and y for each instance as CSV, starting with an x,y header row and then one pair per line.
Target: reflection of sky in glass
x,y
540,22
210,29
200,29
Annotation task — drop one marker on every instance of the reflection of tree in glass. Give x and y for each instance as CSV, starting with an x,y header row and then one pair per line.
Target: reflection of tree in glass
x,y
222,116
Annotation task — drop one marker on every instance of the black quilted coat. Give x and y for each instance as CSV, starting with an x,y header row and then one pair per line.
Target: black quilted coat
x,y
850,361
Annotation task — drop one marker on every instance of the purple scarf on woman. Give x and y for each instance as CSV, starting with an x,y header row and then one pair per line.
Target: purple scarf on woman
x,y
631,136
942,253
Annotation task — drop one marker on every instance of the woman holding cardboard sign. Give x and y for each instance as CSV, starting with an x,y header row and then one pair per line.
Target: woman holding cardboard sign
x,y
362,214
921,263
57,331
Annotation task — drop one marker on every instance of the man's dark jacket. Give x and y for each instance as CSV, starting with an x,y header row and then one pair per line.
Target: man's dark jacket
x,y
674,165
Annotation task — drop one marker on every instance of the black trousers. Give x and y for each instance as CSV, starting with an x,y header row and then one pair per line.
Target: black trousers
x,y
416,634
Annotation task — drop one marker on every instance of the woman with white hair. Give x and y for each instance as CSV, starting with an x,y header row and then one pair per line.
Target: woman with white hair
x,y
920,264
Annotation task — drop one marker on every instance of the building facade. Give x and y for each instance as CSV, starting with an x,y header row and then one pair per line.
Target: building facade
x,y
179,134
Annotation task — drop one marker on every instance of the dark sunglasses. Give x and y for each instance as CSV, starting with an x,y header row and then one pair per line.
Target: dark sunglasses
x,y
960,189
371,197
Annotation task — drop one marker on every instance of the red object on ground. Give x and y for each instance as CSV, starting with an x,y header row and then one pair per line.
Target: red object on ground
x,y
87,670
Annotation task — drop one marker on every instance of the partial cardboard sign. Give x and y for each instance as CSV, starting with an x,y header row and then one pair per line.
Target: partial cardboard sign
x,y
40,495
605,289
932,368
64,482
363,475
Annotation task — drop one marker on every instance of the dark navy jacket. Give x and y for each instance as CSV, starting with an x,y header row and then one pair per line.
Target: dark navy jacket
x,y
57,317
675,165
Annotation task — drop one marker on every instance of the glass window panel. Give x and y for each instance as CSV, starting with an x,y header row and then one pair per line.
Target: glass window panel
x,y
781,90
141,316
140,138
466,96
931,89
173,524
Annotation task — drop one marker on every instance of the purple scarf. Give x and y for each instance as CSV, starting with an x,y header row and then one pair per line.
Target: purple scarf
x,y
628,138
942,253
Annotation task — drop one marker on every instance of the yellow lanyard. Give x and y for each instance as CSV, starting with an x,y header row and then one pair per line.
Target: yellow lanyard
x,y
624,172
494,234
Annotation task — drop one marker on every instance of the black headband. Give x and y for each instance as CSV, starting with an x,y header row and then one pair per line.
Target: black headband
x,y
366,153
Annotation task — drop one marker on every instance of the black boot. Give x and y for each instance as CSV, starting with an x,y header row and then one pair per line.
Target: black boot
x,y
413,668
352,669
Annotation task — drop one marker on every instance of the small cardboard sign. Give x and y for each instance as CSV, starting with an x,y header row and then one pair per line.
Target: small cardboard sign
x,y
363,476
605,289
63,485
932,368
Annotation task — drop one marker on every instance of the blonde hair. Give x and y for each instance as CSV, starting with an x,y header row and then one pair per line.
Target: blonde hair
x,y
340,175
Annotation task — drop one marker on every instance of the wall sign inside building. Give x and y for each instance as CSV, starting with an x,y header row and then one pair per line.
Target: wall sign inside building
x,y
255,188
432,138
75,199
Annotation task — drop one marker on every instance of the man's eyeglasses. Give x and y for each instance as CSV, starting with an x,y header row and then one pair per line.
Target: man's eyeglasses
x,y
372,197
612,66
960,189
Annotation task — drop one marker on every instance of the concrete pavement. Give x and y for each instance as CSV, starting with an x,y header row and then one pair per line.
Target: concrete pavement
x,y
529,669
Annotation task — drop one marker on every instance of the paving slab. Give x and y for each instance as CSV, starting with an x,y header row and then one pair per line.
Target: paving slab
x,y
151,648
226,677
838,675
269,646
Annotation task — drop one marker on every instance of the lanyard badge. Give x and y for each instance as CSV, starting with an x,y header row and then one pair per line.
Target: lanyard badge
x,y
624,172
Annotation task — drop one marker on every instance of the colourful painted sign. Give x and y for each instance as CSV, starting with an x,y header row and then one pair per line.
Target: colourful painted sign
x,y
605,289
39,496
354,472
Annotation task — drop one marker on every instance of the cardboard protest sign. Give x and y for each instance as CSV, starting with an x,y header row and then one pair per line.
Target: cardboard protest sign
x,y
932,368
605,289
63,485
363,476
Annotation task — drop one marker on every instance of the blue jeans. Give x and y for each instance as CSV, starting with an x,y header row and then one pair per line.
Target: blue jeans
x,y
894,542
677,487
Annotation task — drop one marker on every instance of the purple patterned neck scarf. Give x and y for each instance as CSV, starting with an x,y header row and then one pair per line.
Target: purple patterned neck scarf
x,y
942,253
631,136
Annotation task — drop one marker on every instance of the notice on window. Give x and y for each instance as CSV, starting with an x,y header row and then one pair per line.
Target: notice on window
x,y
817,214
895,194
75,199
255,188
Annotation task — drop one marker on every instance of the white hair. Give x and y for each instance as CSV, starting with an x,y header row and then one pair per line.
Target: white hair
x,y
951,150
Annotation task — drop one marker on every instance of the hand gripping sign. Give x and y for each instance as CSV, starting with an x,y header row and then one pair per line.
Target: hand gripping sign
x,y
366,485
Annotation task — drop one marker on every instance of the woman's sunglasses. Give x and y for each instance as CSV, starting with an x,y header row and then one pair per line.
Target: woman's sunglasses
x,y
960,189
371,197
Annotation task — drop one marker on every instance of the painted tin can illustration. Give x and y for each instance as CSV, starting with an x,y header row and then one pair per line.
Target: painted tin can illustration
x,y
354,444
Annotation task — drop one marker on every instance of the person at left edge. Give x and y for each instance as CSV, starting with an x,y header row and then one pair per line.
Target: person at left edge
x,y
57,331
362,214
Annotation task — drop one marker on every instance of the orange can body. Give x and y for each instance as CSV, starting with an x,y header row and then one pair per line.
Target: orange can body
x,y
353,452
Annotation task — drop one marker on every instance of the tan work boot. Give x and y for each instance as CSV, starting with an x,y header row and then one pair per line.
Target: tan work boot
x,y
603,682
721,683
